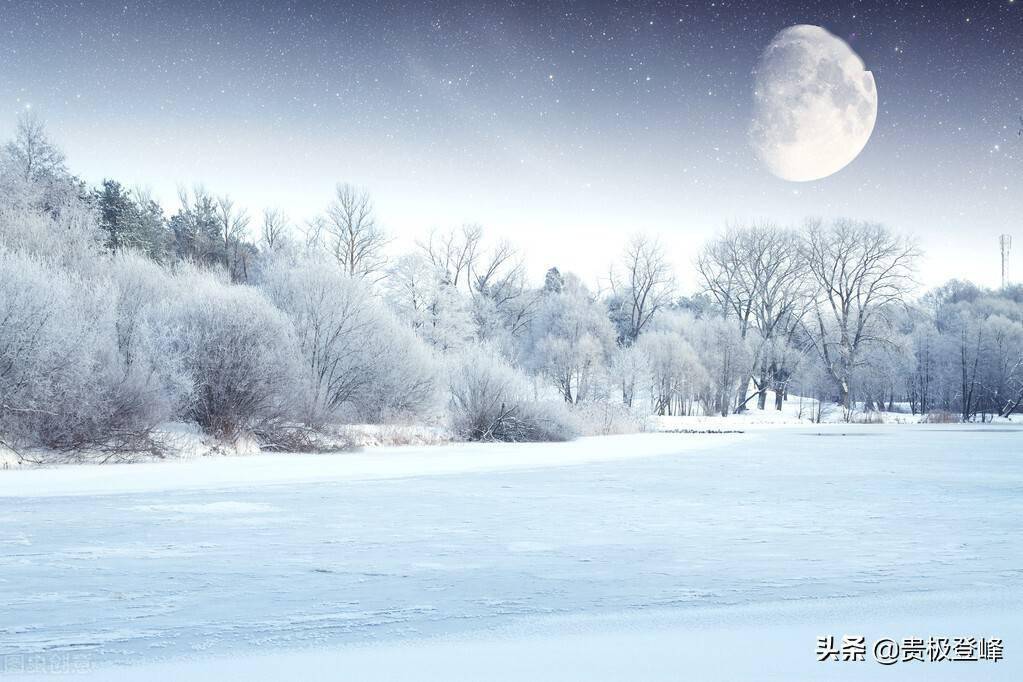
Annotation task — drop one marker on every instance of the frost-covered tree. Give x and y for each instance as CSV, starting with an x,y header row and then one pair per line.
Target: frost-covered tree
x,y
725,356
676,375
129,220
570,340
273,232
426,301
494,278
33,177
31,154
627,370
983,345
196,227
885,373
1002,373
232,227
757,275
861,272
357,359
926,350
453,253
641,285
502,301
350,233
553,281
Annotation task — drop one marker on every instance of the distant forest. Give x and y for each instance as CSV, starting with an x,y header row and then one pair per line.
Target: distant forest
x,y
116,318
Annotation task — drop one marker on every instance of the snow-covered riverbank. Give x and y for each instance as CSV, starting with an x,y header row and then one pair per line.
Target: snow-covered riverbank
x,y
211,473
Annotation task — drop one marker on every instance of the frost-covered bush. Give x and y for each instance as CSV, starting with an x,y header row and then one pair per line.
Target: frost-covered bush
x,y
939,417
605,418
67,236
152,363
406,381
49,346
238,352
63,383
140,284
490,401
357,361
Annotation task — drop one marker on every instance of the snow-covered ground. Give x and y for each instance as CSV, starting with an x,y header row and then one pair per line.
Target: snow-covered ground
x,y
657,556
795,410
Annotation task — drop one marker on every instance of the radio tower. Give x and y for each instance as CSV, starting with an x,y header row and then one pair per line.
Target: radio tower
x,y
1005,241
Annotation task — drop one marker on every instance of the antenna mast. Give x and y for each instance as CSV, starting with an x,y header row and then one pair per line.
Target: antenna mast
x,y
1005,241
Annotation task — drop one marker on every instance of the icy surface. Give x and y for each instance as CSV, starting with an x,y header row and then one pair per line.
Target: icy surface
x,y
847,519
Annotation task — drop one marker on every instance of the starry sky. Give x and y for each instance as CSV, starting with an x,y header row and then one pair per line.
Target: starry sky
x,y
564,126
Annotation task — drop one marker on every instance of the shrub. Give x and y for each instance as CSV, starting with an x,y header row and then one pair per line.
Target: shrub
x,y
866,418
63,383
239,354
405,377
604,419
357,361
489,402
940,417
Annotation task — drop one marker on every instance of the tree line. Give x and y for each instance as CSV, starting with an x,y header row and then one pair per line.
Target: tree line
x,y
115,318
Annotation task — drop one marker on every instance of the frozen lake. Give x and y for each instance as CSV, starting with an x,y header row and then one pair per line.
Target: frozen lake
x,y
770,536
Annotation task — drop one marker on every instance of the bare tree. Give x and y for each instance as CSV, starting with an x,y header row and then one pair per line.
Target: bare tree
x,y
312,232
352,235
758,275
501,264
499,278
232,224
860,272
453,253
273,232
31,152
494,278
644,285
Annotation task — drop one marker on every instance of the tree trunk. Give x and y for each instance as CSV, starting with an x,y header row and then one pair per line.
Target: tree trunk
x,y
1011,406
844,395
740,396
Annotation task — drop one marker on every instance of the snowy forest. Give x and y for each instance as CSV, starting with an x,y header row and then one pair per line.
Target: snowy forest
x,y
116,317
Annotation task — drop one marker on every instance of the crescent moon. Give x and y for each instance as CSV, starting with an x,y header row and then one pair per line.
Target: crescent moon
x,y
815,104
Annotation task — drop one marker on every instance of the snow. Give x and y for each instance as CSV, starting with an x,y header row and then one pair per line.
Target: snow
x,y
655,556
377,435
377,463
732,644
795,410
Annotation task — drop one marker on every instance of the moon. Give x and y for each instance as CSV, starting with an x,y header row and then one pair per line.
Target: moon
x,y
815,104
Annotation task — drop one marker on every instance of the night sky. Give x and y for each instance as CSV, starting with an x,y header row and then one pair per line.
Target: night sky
x,y
564,126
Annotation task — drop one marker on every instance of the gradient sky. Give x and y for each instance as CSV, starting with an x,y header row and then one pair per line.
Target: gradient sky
x,y
564,126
